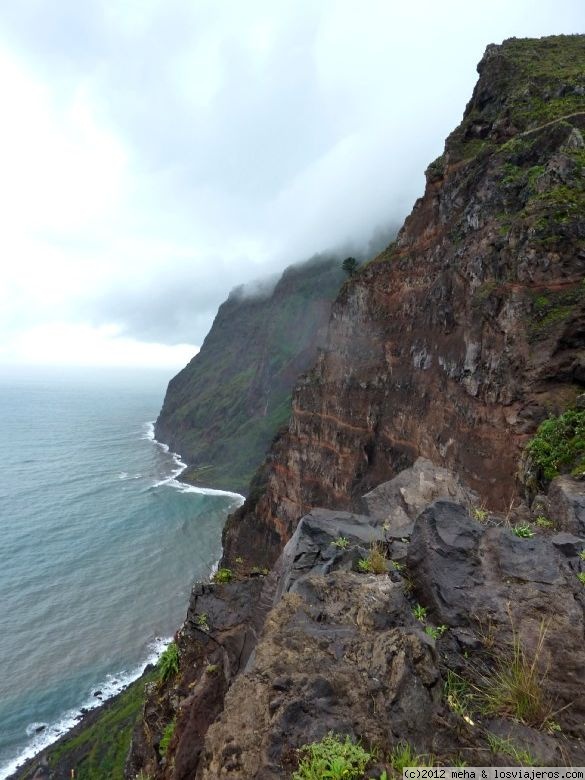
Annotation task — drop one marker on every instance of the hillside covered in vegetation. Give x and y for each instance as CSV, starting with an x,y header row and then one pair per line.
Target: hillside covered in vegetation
x,y
223,409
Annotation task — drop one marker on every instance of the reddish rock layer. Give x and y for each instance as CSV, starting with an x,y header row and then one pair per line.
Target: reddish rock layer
x,y
461,337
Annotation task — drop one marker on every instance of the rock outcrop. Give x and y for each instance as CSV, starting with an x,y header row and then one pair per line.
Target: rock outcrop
x,y
468,331
223,409
413,655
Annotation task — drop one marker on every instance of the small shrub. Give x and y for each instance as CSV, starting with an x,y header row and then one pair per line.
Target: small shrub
x,y
543,522
480,514
260,571
581,577
419,612
403,755
202,621
376,562
332,758
436,632
582,555
168,663
524,531
342,543
398,566
211,668
223,575
166,738
559,445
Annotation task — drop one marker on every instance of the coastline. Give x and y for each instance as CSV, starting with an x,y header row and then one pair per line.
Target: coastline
x,y
63,755
76,721
184,485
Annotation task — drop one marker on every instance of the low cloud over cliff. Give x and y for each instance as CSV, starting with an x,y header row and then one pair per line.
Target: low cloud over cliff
x,y
156,154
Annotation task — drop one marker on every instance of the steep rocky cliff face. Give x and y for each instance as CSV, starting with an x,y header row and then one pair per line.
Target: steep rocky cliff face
x,y
464,642
463,335
223,409
422,618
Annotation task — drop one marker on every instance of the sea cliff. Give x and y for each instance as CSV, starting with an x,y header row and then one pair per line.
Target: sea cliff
x,y
222,410
408,569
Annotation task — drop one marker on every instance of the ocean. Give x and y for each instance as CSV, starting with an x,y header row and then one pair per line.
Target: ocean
x,y
99,546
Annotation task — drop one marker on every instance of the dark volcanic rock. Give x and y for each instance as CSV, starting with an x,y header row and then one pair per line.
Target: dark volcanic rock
x,y
566,501
489,581
354,661
312,550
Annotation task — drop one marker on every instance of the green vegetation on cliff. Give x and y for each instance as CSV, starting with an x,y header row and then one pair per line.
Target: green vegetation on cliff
x,y
532,82
559,445
222,410
97,748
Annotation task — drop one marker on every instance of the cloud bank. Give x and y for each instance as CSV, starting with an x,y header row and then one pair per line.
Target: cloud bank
x,y
156,154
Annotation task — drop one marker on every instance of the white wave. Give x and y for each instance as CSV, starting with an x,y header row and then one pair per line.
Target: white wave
x,y
35,728
112,685
123,475
148,431
183,487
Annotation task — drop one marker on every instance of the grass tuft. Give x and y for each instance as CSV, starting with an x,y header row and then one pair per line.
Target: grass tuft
x,y
404,755
458,696
515,688
166,738
508,748
376,562
168,663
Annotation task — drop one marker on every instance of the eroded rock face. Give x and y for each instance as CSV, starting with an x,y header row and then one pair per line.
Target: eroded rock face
x,y
214,644
566,503
341,654
460,338
489,584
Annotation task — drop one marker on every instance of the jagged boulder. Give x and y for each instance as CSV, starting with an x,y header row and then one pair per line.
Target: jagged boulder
x,y
400,501
566,504
495,589
313,547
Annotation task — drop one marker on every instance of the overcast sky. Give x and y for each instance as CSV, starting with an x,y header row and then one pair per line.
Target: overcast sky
x,y
155,153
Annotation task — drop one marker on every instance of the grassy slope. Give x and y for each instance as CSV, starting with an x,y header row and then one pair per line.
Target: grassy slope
x,y
98,746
